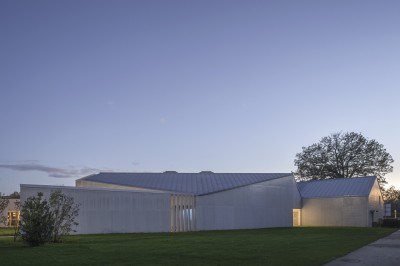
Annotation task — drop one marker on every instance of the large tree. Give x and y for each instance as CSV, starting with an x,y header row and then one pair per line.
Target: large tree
x,y
343,156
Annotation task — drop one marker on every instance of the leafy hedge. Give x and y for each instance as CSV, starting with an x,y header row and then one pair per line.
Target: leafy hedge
x,y
391,223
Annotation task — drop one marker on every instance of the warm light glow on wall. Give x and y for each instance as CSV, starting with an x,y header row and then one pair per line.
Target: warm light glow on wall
x,y
13,218
296,217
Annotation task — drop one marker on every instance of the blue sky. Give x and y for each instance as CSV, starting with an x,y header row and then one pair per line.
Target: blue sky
x,y
227,86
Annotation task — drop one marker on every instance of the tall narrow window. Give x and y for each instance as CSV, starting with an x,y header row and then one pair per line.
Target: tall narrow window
x,y
182,213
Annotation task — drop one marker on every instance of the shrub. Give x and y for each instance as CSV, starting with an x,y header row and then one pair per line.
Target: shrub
x,y
64,212
391,223
37,222
44,221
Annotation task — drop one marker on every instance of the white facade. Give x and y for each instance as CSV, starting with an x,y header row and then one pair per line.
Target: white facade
x,y
246,207
343,211
375,204
265,204
113,208
113,211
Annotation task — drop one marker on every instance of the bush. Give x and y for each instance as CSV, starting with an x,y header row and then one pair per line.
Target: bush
x,y
43,221
64,212
37,223
391,223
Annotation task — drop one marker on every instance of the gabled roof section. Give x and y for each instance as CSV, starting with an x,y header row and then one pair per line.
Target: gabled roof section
x,y
186,183
340,187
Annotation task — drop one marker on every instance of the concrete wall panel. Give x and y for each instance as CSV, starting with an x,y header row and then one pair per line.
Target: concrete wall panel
x,y
266,204
113,211
343,211
375,204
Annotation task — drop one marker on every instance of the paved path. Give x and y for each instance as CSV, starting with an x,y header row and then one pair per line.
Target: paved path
x,y
383,252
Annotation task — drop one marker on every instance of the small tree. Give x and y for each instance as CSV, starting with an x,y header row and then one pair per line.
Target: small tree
x,y
37,223
64,213
44,221
3,205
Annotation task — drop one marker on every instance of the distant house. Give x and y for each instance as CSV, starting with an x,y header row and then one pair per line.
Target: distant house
x,y
180,202
341,202
11,212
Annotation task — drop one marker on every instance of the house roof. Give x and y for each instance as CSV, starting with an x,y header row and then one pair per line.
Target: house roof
x,y
201,183
340,187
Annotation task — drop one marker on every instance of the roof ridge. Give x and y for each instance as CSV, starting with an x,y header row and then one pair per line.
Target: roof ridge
x,y
337,187
338,178
194,183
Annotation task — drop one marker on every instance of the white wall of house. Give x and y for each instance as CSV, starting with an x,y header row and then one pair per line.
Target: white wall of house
x,y
375,204
343,211
113,211
340,211
265,204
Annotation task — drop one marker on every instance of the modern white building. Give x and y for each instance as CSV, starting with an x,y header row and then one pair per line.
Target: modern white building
x,y
180,202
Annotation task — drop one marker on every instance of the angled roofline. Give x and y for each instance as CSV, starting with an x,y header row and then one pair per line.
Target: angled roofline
x,y
89,188
181,173
338,196
340,178
204,194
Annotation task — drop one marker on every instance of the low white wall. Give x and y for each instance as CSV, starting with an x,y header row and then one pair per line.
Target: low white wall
x,y
266,204
113,211
343,211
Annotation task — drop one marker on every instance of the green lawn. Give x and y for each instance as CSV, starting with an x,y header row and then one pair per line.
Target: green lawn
x,y
6,231
280,246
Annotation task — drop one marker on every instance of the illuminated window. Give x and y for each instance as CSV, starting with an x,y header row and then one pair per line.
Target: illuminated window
x,y
12,218
182,213
188,214
296,217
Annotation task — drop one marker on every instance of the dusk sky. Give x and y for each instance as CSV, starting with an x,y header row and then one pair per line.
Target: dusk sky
x,y
226,86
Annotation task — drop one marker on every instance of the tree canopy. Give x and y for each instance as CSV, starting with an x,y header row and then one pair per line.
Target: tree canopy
x,y
392,196
343,156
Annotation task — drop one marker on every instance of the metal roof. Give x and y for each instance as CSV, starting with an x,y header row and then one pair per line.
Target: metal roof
x,y
340,187
187,183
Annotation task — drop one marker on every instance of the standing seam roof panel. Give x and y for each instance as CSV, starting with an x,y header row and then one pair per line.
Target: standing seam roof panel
x,y
359,186
193,183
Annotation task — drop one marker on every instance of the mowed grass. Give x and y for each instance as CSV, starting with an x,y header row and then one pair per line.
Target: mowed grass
x,y
278,246
6,231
